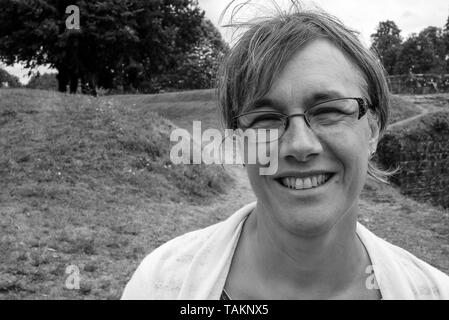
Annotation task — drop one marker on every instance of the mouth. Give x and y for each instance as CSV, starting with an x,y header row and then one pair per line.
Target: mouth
x,y
305,183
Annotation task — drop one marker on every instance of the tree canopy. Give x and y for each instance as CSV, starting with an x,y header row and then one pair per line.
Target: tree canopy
x,y
425,52
386,42
46,81
119,43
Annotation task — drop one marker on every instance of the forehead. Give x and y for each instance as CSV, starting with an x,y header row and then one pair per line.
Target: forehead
x,y
318,71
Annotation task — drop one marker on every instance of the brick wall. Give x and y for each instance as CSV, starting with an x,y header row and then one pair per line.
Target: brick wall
x,y
421,149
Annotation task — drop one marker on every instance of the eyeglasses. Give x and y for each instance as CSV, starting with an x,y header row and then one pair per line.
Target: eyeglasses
x,y
323,118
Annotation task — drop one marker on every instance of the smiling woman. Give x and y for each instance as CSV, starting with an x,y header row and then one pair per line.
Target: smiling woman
x,y
307,75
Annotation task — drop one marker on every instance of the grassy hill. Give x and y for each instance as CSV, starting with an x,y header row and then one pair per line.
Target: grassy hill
x,y
87,182
180,107
402,108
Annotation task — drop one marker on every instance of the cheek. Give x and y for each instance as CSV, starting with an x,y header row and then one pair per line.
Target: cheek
x,y
257,181
350,148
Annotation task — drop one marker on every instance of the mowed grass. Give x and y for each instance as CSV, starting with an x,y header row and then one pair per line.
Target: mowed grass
x,y
87,182
402,108
180,107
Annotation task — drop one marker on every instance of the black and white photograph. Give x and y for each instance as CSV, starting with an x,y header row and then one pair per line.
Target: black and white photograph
x,y
246,150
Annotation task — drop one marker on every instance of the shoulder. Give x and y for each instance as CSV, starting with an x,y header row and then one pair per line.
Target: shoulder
x,y
404,271
160,274
184,263
429,282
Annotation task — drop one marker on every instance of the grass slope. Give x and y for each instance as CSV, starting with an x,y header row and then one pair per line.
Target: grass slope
x,y
402,108
88,182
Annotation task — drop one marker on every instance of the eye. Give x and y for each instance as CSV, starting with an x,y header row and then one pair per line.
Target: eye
x,y
333,112
328,111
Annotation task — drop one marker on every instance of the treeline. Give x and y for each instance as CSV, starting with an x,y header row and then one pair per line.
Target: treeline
x,y
124,46
425,52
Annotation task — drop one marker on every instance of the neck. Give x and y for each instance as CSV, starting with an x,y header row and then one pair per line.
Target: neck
x,y
330,260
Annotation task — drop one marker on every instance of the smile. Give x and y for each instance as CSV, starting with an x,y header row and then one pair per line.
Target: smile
x,y
305,182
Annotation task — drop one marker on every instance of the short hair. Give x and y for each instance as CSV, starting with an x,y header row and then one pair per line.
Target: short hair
x,y
250,67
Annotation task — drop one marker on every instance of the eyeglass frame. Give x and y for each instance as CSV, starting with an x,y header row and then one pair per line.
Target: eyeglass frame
x,y
362,103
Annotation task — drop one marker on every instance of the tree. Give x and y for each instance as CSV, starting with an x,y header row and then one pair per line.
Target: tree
x,y
120,42
198,67
46,81
407,61
387,43
423,53
446,44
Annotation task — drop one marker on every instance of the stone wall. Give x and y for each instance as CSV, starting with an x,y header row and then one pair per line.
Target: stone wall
x,y
421,149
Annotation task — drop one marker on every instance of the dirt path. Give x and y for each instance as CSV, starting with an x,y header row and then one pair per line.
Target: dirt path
x,y
417,101
408,120
225,205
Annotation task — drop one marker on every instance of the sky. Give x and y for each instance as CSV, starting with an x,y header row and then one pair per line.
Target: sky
x,y
411,16
361,15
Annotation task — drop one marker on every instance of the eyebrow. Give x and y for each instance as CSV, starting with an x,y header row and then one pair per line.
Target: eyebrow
x,y
309,101
266,102
322,96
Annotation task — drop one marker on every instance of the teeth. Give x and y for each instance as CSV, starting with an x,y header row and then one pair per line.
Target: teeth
x,y
292,183
314,181
307,183
304,183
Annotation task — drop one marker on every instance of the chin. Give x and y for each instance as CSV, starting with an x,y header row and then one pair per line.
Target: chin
x,y
308,222
311,226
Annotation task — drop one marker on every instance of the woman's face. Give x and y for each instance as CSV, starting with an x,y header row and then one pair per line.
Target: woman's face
x,y
318,72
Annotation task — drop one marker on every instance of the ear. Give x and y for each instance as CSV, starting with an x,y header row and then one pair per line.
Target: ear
x,y
374,135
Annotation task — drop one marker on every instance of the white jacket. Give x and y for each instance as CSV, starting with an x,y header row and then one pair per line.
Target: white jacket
x,y
195,266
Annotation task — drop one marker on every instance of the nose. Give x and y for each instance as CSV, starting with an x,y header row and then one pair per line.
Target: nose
x,y
299,141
